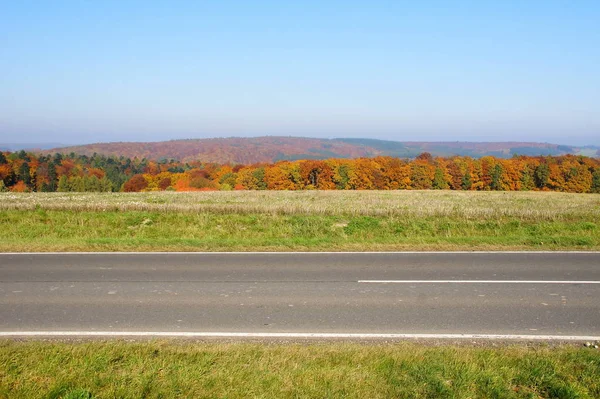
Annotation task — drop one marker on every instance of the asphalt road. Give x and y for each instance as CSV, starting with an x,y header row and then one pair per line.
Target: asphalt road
x,y
407,293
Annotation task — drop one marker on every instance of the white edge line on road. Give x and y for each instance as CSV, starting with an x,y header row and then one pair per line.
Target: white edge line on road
x,y
478,282
301,253
178,334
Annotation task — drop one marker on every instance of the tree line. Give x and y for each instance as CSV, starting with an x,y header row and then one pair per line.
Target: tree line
x,y
22,171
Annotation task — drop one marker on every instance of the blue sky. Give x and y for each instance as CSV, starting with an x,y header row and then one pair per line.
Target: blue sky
x,y
89,71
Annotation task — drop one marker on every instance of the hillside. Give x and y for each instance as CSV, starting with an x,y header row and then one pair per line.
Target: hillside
x,y
233,149
239,150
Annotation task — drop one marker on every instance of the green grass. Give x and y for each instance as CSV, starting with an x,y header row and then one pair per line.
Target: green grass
x,y
170,369
274,221
144,231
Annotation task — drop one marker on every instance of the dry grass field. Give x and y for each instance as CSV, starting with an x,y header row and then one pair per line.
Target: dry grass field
x,y
463,204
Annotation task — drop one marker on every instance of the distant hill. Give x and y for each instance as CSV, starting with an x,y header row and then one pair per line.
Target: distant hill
x,y
239,150
233,149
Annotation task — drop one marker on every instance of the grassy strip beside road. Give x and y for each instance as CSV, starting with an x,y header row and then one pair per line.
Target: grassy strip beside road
x,y
153,231
251,221
205,370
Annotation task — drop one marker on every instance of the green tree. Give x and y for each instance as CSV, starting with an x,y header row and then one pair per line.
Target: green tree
x,y
227,179
63,184
25,174
439,183
52,177
116,176
541,174
259,175
23,155
77,184
420,177
57,159
527,181
344,177
466,181
92,184
496,175
595,182
106,185
10,179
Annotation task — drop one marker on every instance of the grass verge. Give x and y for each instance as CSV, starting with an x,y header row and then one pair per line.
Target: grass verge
x,y
168,369
299,221
43,230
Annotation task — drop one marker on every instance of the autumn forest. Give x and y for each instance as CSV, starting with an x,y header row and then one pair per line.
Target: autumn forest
x,y
22,171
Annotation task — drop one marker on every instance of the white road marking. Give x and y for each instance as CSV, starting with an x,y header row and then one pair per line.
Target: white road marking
x,y
479,282
178,334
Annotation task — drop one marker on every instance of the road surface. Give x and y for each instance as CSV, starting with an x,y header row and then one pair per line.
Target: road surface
x,y
508,294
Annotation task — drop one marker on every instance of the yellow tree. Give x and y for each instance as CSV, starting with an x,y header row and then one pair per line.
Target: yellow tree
x,y
316,175
247,179
362,173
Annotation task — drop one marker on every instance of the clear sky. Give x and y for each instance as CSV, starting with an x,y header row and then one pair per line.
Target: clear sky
x,y
102,70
